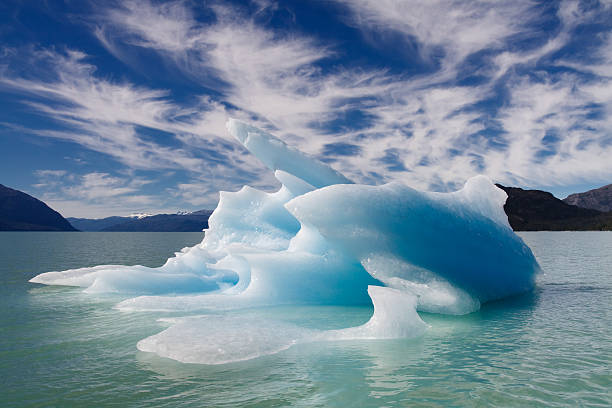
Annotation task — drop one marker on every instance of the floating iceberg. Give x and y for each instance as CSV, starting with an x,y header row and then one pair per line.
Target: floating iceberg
x,y
320,239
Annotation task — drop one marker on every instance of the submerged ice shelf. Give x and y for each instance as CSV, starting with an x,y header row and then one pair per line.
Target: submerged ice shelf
x,y
320,239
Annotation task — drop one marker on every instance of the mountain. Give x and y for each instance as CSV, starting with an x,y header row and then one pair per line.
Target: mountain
x,y
196,221
182,222
598,199
535,210
527,210
88,224
22,212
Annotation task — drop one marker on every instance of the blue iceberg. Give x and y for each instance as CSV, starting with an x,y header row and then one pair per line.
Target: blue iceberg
x,y
321,239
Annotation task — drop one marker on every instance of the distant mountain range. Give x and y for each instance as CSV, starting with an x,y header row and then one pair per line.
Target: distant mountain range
x,y
599,199
527,210
22,212
183,222
96,224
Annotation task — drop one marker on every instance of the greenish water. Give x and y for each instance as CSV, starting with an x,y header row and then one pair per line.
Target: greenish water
x,y
60,347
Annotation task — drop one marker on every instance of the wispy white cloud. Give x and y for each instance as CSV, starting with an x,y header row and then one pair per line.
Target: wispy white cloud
x,y
112,118
517,122
196,193
554,138
271,78
50,173
96,194
94,186
51,178
103,115
448,30
435,135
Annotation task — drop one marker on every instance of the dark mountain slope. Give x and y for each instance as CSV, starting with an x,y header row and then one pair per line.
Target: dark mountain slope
x,y
22,212
535,210
598,199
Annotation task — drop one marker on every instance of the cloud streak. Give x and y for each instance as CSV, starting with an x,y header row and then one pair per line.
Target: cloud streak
x,y
95,194
432,125
500,96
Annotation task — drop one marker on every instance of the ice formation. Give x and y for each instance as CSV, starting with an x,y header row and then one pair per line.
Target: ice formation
x,y
320,239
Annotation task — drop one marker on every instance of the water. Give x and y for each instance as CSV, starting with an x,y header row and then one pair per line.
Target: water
x,y
60,347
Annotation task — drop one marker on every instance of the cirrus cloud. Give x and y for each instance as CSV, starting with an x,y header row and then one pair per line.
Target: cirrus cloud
x,y
500,93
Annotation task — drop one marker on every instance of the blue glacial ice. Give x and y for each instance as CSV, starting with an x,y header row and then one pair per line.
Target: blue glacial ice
x,y
219,339
320,239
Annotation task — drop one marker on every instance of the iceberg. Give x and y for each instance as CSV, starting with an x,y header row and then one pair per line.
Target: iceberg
x,y
321,240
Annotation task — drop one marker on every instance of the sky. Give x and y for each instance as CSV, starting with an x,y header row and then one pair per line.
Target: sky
x,y
112,108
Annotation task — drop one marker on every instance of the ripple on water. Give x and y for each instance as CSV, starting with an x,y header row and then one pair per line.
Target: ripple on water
x,y
552,347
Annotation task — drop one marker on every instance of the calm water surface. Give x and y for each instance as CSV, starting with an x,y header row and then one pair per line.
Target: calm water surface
x,y
60,347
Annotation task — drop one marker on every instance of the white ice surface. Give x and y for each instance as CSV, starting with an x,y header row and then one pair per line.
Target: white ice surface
x,y
220,339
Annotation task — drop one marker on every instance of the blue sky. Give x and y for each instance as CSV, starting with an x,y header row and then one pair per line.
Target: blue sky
x,y
113,108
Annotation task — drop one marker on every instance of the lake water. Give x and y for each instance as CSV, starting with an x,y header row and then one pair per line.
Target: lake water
x,y
61,347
